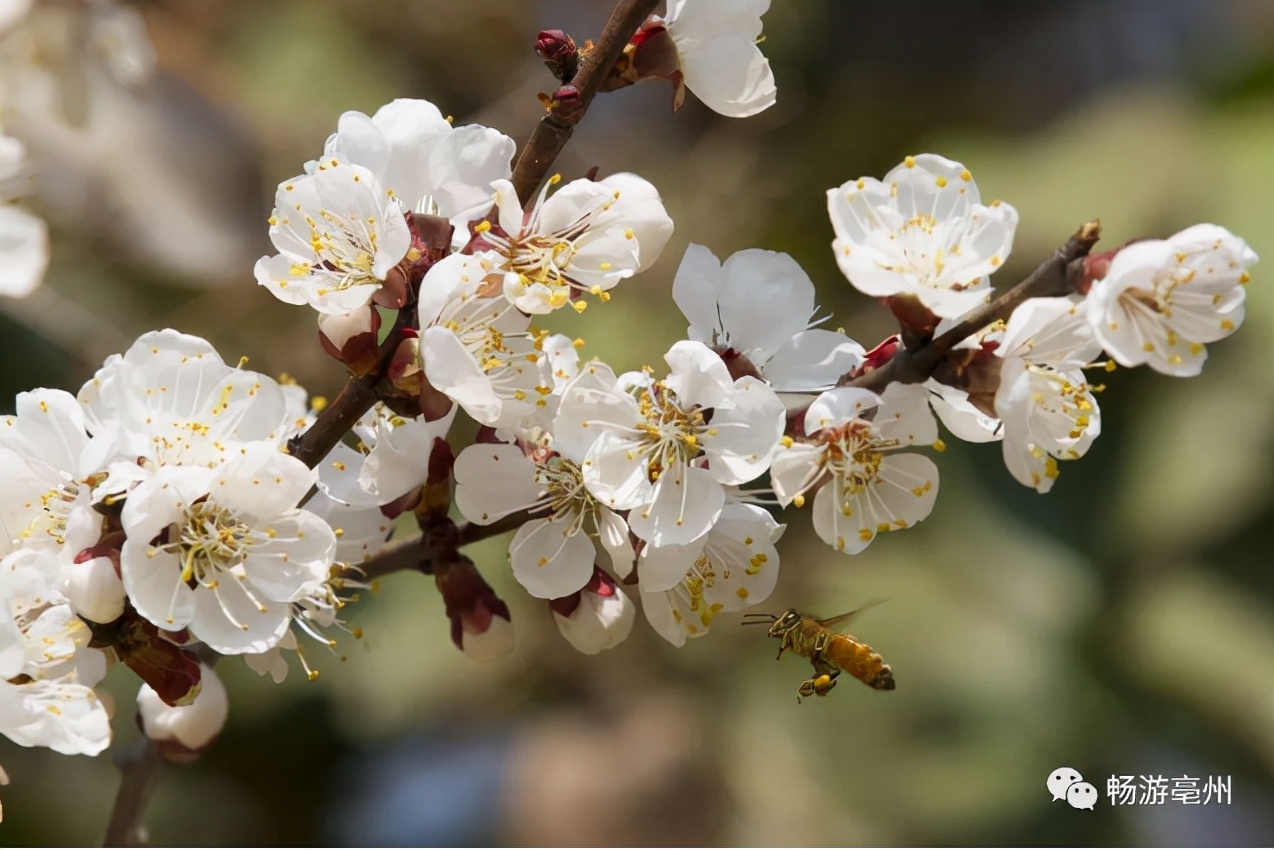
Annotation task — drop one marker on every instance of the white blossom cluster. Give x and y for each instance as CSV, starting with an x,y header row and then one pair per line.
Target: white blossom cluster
x,y
922,233
161,515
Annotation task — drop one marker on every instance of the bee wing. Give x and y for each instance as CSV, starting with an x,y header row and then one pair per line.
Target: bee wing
x,y
842,619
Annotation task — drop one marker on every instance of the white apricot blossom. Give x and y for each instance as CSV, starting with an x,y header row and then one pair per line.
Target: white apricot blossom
x,y
865,484
742,538
1047,409
600,616
584,238
47,671
477,348
921,231
224,551
42,464
193,727
339,235
170,400
735,565
428,164
552,554
1161,301
718,54
667,449
394,459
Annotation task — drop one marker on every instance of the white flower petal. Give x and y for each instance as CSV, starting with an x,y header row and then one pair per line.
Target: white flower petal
x,y
612,532
697,374
551,558
695,289
794,469
744,432
232,623
686,502
812,361
194,726
493,480
616,474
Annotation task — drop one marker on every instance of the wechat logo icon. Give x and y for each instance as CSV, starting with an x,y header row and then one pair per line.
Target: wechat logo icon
x,y
1066,783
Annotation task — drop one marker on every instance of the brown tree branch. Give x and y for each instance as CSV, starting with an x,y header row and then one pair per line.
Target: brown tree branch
x,y
555,129
418,554
1055,276
355,398
138,767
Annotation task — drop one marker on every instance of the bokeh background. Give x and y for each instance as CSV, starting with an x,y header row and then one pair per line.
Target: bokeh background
x,y
1122,624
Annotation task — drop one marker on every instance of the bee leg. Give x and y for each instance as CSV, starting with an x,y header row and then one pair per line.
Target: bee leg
x,y
820,684
784,645
824,683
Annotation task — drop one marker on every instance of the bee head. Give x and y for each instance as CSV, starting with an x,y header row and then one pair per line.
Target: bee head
x,y
785,622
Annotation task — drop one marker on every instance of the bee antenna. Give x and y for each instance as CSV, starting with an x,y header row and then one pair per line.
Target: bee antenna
x,y
758,619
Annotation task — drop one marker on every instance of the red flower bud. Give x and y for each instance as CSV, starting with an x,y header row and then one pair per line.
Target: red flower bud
x,y
480,623
351,338
559,53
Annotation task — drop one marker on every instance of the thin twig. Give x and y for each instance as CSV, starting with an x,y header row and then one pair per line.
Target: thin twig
x,y
416,554
355,398
137,768
555,129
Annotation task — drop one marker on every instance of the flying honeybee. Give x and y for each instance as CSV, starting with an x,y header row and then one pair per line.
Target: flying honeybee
x,y
828,650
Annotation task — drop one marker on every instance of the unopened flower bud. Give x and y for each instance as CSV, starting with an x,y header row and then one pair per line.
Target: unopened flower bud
x,y
567,103
480,623
404,370
486,635
181,732
93,587
596,618
880,355
559,53
351,337
158,658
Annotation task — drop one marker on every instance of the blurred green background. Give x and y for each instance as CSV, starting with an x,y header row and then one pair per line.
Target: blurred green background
x,y
1122,624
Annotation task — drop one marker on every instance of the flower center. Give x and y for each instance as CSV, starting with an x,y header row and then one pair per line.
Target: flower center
x,y
854,455
1064,399
567,495
56,505
212,541
670,436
